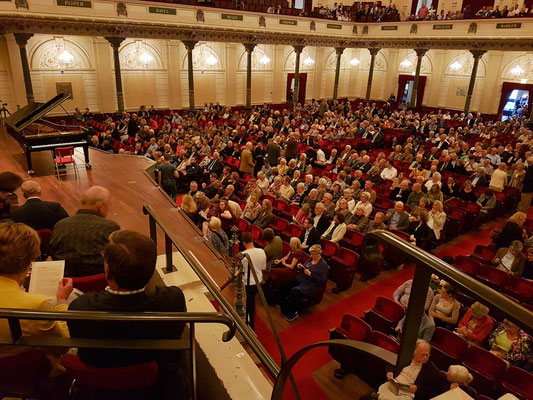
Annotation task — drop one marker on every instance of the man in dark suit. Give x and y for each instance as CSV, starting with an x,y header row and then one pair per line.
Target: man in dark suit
x,y
273,152
479,178
130,260
401,193
37,213
321,221
397,218
214,166
310,235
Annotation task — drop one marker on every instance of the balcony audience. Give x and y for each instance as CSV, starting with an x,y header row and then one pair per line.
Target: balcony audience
x,y
81,238
476,324
444,309
512,344
511,259
403,292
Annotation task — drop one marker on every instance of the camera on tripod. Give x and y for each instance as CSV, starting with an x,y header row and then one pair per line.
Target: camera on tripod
x,y
4,112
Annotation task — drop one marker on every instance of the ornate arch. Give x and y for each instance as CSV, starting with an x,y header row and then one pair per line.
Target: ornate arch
x,y
464,61
46,55
525,62
130,56
290,61
257,65
200,57
331,61
426,68
381,63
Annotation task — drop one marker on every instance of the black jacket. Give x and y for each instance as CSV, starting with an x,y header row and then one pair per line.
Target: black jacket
x,y
323,223
313,238
397,196
39,214
162,299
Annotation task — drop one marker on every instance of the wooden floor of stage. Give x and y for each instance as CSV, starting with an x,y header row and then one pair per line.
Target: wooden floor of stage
x,y
130,189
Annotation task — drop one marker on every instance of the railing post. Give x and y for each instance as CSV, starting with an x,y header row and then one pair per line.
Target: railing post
x,y
168,255
153,229
14,329
192,334
234,250
239,302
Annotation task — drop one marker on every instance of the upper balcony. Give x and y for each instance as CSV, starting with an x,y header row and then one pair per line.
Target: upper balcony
x,y
145,19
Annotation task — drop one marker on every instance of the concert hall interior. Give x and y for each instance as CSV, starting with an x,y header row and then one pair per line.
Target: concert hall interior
x,y
266,199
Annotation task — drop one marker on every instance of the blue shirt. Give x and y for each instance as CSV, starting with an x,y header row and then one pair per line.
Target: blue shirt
x,y
308,285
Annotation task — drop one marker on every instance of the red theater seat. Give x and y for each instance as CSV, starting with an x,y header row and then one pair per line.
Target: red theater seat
x,y
448,348
378,338
518,382
486,368
343,267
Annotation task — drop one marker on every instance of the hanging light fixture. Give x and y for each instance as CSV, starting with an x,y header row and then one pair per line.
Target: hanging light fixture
x,y
309,61
65,57
354,61
264,60
211,60
517,70
406,63
456,65
146,58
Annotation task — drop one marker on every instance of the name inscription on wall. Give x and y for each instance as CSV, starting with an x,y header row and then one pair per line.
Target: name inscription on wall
x,y
233,17
161,10
74,3
389,28
288,22
443,26
509,25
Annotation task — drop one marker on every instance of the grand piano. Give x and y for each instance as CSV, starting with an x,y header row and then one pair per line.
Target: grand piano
x,y
34,133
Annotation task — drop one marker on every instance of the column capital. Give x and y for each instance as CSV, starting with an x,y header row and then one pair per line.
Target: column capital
x,y
189,44
339,50
477,54
22,38
249,47
373,51
421,52
298,48
115,42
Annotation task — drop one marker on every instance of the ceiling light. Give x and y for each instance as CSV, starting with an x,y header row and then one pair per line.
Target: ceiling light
x,y
406,63
413,73
264,60
65,57
309,61
146,58
211,60
522,81
456,65
354,61
517,70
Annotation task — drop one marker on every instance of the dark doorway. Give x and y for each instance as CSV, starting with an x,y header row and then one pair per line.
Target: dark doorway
x,y
515,100
290,87
405,88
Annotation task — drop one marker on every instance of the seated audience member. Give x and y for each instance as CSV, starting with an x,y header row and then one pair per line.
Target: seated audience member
x,y
320,220
376,223
336,230
265,216
9,182
425,331
403,292
19,248
437,219
214,233
302,215
310,236
397,218
451,188
444,309
259,261
476,324
422,233
511,344
227,217
512,230
80,239
528,270
479,178
329,205
130,260
358,221
414,197
309,280
189,207
286,191
37,213
435,194
364,203
401,193
467,194
487,201
458,377
274,247
252,209
511,259
421,377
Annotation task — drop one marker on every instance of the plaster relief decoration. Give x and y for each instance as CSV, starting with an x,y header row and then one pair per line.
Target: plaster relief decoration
x,y
414,29
354,30
22,4
260,60
262,22
57,54
331,61
312,26
461,91
204,58
462,63
408,64
306,62
122,10
365,30
138,55
200,16
472,28
379,65
62,87
519,69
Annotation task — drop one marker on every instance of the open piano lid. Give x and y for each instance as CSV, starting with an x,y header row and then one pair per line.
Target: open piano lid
x,y
33,111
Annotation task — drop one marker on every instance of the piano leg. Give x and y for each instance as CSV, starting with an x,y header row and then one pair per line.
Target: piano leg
x,y
28,160
86,154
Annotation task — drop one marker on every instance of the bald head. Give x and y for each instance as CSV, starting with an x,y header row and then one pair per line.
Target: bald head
x,y
95,198
30,189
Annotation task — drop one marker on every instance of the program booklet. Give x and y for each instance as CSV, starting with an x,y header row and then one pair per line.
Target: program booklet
x,y
45,276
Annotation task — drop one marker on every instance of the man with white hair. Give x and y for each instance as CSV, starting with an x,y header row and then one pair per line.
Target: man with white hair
x,y
37,213
80,239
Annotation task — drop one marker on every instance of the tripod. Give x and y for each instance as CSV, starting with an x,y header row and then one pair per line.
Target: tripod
x,y
4,113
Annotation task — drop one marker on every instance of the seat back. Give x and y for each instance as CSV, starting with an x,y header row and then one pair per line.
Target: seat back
x,y
493,275
484,362
388,308
286,248
355,328
91,283
294,230
21,373
518,381
64,151
347,257
257,233
449,342
329,249
132,377
378,338
467,265
485,252
45,235
242,224
354,237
